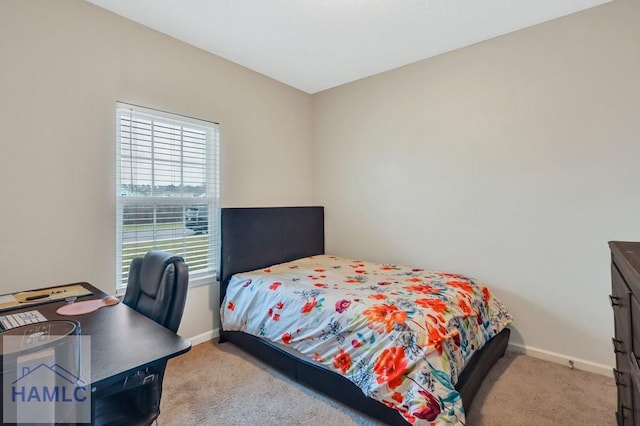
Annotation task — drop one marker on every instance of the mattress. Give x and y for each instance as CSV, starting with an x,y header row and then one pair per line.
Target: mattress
x,y
401,334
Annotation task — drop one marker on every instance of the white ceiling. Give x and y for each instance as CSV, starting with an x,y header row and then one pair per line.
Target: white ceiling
x,y
314,45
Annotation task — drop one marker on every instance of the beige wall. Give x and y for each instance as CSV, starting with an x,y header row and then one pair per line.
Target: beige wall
x,y
514,160
63,66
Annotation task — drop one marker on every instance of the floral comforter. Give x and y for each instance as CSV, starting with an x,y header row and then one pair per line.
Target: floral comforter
x,y
400,334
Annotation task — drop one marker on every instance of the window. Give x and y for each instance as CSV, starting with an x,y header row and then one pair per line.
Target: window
x,y
167,188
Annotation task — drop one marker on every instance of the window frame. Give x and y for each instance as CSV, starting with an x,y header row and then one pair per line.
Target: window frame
x,y
212,197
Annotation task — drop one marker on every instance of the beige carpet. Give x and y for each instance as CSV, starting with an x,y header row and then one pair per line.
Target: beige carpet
x,y
217,384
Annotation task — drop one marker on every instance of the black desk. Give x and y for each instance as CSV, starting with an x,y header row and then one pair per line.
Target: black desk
x,y
122,340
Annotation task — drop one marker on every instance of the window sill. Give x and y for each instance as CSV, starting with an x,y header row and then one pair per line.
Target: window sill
x,y
203,279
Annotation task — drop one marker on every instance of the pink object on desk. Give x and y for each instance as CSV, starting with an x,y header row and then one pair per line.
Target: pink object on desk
x,y
87,306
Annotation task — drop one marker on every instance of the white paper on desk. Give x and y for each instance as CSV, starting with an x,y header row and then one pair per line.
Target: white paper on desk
x,y
8,298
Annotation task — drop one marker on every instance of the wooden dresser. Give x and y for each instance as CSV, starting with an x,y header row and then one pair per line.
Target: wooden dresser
x,y
625,301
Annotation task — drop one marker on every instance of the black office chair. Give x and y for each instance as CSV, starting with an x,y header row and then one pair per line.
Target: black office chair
x,y
157,288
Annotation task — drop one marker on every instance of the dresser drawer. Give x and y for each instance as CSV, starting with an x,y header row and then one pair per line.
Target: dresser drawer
x,y
635,325
621,303
624,410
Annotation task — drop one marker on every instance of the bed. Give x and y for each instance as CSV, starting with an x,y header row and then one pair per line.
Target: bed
x,y
259,238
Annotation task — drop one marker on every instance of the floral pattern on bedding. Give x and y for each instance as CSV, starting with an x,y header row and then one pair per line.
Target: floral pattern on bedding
x,y
401,334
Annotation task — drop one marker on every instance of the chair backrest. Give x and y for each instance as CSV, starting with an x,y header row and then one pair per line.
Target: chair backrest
x,y
157,287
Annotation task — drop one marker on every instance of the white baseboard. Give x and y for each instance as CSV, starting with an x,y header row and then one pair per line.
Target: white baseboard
x,y
579,364
205,337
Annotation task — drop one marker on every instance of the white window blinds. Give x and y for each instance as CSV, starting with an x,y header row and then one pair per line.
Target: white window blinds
x,y
168,188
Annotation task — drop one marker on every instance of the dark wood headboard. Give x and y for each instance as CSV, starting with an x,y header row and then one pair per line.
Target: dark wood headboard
x,y
257,237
